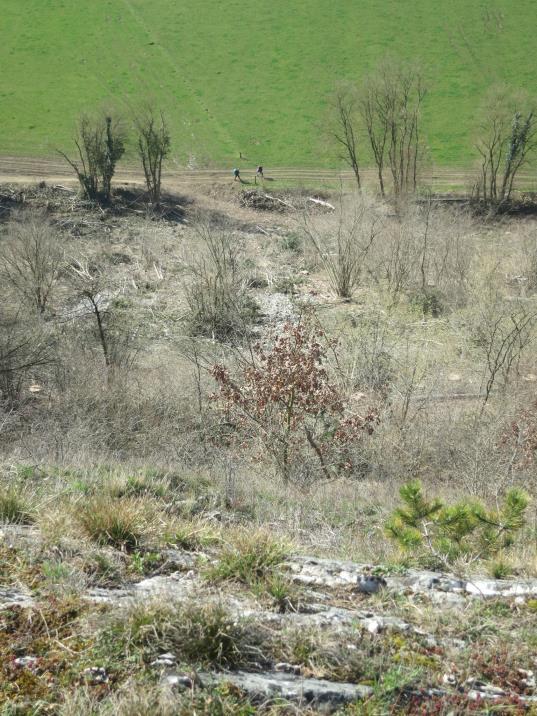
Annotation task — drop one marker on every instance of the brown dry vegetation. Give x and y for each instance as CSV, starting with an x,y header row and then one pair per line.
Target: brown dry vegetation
x,y
115,446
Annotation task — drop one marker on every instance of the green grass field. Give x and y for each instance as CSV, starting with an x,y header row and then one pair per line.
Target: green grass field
x,y
250,77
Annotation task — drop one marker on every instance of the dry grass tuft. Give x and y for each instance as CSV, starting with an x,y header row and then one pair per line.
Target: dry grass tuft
x,y
15,506
119,523
249,558
202,634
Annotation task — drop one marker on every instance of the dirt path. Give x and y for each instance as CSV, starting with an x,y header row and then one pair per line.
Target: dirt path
x,y
30,169
24,170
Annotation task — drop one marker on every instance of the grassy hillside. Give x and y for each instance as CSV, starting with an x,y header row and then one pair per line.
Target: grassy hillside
x,y
249,77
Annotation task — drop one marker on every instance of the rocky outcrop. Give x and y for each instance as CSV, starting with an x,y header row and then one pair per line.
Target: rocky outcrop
x,y
363,578
325,696
11,597
342,602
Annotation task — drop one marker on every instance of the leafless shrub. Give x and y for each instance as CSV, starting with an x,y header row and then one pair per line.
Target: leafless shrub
x,y
447,255
24,350
529,252
30,259
216,292
399,257
343,241
519,437
145,412
100,142
503,336
370,363
96,299
424,251
414,381
154,144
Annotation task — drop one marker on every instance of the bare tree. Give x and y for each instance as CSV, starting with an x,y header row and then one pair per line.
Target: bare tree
x,y
89,286
101,144
30,260
115,332
390,106
507,139
377,131
154,144
345,125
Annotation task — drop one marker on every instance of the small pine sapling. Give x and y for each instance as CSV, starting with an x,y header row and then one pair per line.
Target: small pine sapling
x,y
438,534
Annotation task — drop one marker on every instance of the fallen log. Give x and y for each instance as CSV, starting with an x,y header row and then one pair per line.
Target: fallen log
x,y
320,202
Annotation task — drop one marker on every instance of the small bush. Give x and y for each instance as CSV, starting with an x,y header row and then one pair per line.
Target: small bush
x,y
292,242
118,523
439,534
429,302
285,397
288,285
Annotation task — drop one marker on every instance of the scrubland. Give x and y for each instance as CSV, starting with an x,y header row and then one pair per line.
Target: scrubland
x,y
145,360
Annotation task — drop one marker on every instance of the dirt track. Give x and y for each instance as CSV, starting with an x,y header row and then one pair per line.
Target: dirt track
x,y
28,170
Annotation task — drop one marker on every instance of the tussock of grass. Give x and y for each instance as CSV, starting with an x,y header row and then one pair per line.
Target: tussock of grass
x,y
191,536
58,523
204,635
15,507
118,523
286,596
250,558
138,486
142,699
